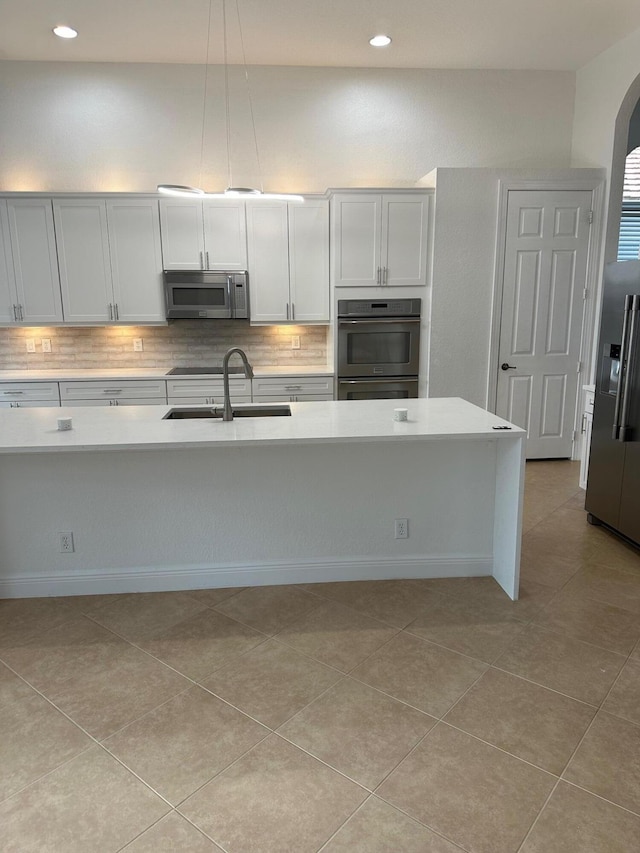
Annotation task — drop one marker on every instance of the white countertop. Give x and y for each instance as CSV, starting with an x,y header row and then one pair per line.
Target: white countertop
x,y
64,374
26,430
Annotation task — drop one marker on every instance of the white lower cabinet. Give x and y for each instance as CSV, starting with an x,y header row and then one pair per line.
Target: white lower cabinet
x,y
29,404
29,393
587,424
292,389
126,392
207,392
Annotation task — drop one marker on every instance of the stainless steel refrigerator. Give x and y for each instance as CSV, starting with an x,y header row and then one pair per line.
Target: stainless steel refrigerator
x,y
613,486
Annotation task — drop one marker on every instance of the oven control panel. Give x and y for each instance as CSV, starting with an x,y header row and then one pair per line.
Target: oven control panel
x,y
379,308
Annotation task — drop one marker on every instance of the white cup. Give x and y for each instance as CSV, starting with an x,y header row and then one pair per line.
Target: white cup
x,y
400,414
65,423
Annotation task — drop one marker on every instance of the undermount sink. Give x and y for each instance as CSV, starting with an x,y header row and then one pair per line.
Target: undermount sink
x,y
248,411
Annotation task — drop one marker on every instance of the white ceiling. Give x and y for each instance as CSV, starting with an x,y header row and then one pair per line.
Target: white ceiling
x,y
516,34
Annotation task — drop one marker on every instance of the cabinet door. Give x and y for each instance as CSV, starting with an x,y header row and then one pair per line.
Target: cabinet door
x,y
8,298
357,235
404,239
83,257
182,230
268,250
136,260
309,261
35,263
225,235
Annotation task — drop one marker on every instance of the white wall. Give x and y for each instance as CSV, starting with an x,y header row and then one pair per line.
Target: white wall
x,y
464,270
607,90
111,127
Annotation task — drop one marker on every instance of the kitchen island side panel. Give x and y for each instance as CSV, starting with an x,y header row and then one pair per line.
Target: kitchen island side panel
x,y
168,519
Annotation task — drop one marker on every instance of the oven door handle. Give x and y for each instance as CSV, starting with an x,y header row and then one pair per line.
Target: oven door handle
x,y
376,320
372,380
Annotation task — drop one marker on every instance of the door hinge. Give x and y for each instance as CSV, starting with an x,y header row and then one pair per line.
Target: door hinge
x,y
584,294
575,434
579,367
590,217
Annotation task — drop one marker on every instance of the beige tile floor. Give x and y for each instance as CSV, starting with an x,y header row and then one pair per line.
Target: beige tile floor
x,y
414,716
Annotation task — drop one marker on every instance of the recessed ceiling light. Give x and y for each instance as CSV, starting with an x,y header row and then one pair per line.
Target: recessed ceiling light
x,y
380,41
64,32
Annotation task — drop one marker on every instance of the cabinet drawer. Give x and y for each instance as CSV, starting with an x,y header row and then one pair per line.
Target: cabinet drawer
x,y
293,385
207,387
19,391
117,389
209,400
111,401
29,404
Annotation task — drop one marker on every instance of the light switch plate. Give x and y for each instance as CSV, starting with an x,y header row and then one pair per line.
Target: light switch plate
x,y
46,344
295,341
31,345
138,345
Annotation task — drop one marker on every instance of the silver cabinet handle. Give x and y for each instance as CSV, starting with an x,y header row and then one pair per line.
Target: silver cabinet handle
x,y
384,275
379,275
230,299
287,310
115,305
293,387
615,432
201,261
20,313
626,398
15,313
112,390
207,256
293,311
13,393
110,306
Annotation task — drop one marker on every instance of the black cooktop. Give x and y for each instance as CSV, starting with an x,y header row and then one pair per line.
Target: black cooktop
x,y
201,371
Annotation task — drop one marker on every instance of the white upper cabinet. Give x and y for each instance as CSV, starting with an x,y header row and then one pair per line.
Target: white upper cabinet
x,y
136,260
8,297
380,239
309,261
268,246
288,247
83,255
110,260
203,234
34,261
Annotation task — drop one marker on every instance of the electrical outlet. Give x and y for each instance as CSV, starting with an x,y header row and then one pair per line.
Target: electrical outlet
x,y
295,341
402,528
46,344
31,345
138,345
66,543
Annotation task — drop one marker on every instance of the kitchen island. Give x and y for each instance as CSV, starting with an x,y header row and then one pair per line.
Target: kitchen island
x,y
157,504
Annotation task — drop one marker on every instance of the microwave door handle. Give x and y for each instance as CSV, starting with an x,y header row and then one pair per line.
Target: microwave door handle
x,y
629,357
615,433
230,299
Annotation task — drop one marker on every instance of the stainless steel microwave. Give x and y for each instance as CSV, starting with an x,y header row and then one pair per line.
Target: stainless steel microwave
x,y
206,294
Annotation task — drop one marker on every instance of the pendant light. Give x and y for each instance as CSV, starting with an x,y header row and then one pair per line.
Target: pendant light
x,y
232,192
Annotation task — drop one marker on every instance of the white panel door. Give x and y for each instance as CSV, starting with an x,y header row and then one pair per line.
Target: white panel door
x,y
357,235
136,260
309,261
268,250
541,320
404,239
181,221
8,298
83,256
225,235
35,262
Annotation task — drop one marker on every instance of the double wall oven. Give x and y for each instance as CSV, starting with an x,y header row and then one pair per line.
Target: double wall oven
x,y
378,349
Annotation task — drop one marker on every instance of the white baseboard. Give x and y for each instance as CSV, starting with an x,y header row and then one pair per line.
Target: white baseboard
x,y
155,579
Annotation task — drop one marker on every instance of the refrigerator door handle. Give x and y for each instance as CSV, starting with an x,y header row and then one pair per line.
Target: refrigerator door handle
x,y
615,433
625,363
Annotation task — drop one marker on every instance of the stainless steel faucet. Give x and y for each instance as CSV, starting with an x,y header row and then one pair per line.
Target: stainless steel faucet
x,y
227,415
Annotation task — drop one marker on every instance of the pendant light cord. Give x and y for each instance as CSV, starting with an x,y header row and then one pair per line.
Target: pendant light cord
x,y
226,91
204,96
246,78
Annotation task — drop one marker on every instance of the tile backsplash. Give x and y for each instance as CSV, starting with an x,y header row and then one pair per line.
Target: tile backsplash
x,y
181,343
